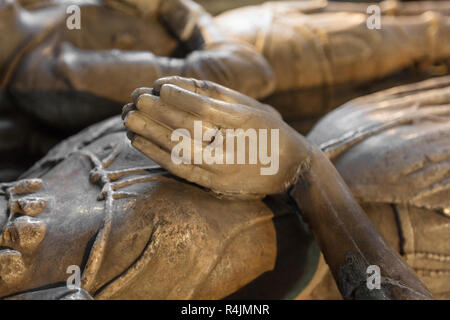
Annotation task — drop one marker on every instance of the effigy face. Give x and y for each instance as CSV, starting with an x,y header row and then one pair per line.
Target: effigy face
x,y
392,149
137,232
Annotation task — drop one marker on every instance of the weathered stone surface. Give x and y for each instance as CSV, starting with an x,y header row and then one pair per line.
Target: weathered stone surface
x,y
323,54
392,149
139,233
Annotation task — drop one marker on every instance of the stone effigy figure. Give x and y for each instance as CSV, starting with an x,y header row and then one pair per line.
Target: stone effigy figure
x,y
138,232
122,44
308,44
390,147
33,214
217,7
326,53
56,74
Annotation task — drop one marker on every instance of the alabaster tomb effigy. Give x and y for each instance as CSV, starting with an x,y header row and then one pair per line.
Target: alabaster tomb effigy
x,y
102,201
167,226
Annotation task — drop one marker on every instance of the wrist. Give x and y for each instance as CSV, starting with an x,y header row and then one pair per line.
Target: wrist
x,y
307,155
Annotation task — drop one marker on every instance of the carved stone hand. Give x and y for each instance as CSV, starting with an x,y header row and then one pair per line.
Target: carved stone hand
x,y
274,155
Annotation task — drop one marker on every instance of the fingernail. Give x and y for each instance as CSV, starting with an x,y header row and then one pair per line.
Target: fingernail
x,y
134,121
130,135
146,100
137,92
157,86
127,108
